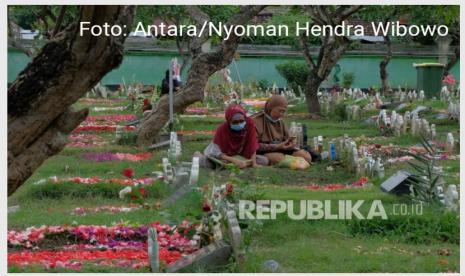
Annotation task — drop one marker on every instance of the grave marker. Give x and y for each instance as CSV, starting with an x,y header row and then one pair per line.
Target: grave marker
x,y
451,198
214,254
153,250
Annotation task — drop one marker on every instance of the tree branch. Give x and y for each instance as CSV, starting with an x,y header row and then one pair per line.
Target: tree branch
x,y
326,16
311,10
200,18
348,11
203,66
59,21
306,52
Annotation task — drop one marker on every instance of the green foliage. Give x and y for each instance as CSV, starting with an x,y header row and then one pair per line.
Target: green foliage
x,y
288,19
399,244
426,178
24,16
348,79
169,14
128,138
294,72
427,228
435,15
33,17
105,190
263,84
340,112
417,15
87,267
220,13
177,14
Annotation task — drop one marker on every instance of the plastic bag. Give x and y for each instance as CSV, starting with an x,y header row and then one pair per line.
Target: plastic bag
x,y
293,163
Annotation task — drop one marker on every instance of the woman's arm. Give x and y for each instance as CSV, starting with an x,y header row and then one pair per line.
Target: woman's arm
x,y
264,147
213,150
239,163
286,145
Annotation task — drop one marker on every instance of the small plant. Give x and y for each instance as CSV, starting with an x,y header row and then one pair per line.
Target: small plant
x,y
263,84
340,111
348,79
127,138
427,178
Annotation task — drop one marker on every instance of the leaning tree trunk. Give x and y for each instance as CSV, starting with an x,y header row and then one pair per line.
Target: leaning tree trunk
x,y
39,100
203,66
383,65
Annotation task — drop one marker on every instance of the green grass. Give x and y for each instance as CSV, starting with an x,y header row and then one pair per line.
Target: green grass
x,y
298,246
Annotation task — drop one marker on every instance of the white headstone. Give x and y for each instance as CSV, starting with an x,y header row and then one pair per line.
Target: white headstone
x,y
451,198
194,176
421,96
450,142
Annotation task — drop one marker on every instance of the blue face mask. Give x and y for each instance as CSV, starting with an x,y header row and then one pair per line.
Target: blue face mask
x,y
238,127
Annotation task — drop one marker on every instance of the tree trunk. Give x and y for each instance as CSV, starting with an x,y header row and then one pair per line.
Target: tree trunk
x,y
39,100
185,56
383,65
311,93
452,61
203,66
331,50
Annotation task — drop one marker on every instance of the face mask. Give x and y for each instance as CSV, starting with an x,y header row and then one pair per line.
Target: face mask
x,y
238,127
271,119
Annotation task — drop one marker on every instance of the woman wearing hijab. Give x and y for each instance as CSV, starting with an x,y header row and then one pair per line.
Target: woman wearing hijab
x,y
272,133
236,136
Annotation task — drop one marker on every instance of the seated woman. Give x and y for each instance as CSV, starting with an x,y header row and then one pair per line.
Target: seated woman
x,y
272,133
236,136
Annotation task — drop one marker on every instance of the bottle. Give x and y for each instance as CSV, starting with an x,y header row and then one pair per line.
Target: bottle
x,y
320,144
299,139
293,132
304,136
332,150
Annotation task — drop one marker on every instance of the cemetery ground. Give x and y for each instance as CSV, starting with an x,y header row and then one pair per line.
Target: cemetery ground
x,y
412,243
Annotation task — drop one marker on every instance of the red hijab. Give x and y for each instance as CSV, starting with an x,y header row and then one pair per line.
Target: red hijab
x,y
231,142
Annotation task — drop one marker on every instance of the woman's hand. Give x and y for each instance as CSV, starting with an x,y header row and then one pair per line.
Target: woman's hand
x,y
286,145
240,164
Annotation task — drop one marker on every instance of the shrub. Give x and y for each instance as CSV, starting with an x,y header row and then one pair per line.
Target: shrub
x,y
295,73
128,138
418,229
340,112
348,79
263,84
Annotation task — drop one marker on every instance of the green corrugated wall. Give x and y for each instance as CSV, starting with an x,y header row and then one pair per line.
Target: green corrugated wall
x,y
149,68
